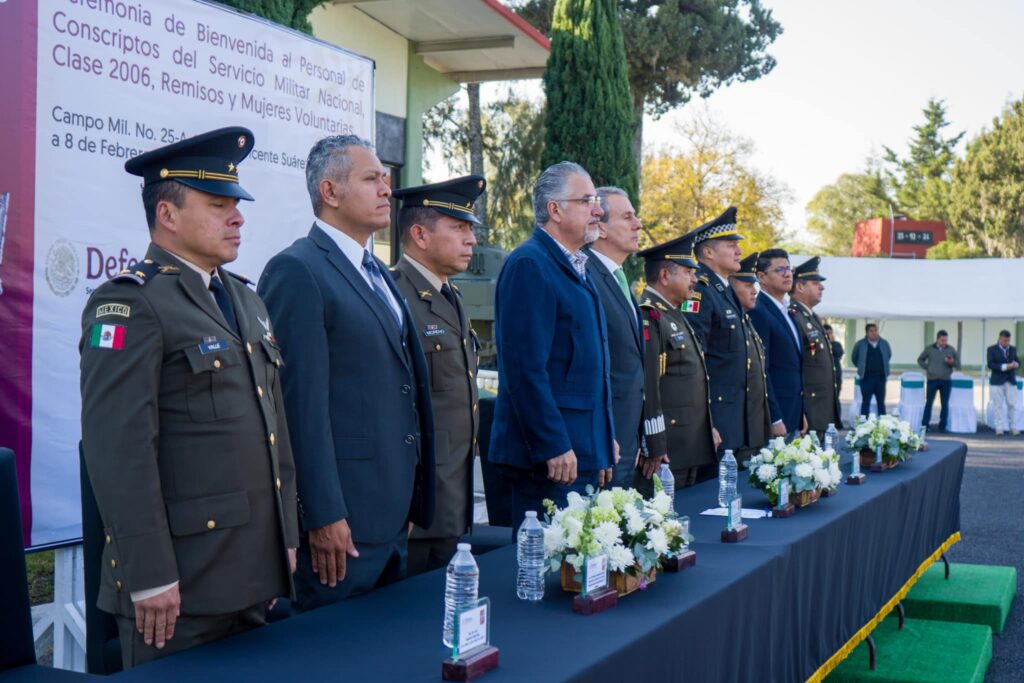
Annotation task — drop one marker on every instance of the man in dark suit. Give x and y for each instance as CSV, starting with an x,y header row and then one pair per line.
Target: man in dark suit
x,y
821,395
716,317
183,428
436,226
781,341
619,236
1003,362
553,430
677,416
759,424
355,383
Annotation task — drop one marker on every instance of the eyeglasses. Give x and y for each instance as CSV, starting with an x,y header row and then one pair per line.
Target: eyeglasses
x,y
588,199
781,270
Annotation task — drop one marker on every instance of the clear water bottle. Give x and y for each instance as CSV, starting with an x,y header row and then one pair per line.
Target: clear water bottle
x,y
726,479
668,482
461,585
831,437
530,556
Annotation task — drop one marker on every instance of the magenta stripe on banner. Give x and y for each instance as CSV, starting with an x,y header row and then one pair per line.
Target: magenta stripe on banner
x,y
18,31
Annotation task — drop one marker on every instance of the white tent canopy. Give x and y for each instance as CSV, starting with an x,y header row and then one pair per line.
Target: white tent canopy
x,y
922,289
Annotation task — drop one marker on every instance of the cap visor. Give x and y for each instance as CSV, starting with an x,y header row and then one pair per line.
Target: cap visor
x,y
217,187
461,215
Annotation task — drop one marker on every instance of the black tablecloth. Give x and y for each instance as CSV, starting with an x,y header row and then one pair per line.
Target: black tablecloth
x,y
774,607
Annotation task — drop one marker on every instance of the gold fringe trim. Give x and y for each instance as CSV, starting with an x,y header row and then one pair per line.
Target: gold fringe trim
x,y
833,661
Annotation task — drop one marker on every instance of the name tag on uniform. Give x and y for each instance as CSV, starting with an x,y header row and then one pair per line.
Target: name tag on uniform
x,y
433,330
679,337
212,344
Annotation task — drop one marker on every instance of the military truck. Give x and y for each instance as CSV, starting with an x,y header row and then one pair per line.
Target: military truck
x,y
477,285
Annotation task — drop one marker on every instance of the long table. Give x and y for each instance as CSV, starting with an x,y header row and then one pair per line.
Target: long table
x,y
775,607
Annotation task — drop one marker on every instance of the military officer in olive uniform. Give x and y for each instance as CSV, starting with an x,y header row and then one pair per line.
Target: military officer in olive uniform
x,y
821,395
436,225
183,426
759,427
717,318
678,426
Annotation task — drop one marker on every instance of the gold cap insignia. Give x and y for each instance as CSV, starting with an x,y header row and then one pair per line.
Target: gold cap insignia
x,y
241,141
163,172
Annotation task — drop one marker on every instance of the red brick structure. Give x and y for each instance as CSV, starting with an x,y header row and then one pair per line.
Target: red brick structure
x,y
901,238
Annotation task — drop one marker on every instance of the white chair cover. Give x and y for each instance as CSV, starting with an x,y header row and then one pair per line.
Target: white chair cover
x,y
990,409
963,416
912,398
855,406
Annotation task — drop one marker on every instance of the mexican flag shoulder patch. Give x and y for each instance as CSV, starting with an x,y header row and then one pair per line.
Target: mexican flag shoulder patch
x,y
107,336
691,306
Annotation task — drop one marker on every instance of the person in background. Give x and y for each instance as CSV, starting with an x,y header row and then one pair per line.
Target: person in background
x,y
837,357
759,423
938,360
871,357
1003,362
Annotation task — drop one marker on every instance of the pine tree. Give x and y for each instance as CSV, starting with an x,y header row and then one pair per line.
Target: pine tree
x,y
291,13
589,108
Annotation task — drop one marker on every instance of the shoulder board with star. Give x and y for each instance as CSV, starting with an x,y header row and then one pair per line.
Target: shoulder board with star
x,y
241,278
661,306
646,303
142,272
703,279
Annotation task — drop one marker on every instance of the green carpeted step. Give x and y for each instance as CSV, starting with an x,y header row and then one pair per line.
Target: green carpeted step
x,y
974,594
923,652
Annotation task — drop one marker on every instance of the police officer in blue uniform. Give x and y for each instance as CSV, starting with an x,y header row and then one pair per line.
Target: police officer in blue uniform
x,y
717,319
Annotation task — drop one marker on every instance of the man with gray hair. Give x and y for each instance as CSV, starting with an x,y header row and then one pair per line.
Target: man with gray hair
x,y
553,431
355,383
618,237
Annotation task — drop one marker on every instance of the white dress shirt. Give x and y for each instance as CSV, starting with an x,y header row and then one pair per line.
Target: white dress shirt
x,y
784,307
612,266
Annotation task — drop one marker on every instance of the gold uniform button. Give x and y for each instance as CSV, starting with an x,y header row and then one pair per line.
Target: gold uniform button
x,y
248,347
211,524
118,584
277,483
216,363
259,390
437,347
113,564
277,362
672,422
475,406
273,439
109,540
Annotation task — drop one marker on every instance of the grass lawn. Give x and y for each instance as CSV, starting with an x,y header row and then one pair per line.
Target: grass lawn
x,y
40,577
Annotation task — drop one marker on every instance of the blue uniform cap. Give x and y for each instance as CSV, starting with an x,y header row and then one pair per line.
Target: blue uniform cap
x,y
748,269
808,270
721,228
207,162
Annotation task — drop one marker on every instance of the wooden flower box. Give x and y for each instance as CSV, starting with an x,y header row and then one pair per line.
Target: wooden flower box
x,y
622,582
804,498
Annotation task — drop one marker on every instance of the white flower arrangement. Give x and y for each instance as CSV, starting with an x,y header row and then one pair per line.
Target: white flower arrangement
x,y
635,533
805,465
896,437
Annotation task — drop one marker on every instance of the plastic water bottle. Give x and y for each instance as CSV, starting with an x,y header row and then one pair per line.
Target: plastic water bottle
x,y
831,437
726,479
461,585
530,555
668,482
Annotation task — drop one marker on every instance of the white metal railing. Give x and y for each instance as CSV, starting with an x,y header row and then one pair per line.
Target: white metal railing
x,y
64,618
487,379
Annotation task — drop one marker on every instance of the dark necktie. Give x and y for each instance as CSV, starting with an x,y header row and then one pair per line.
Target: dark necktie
x,y
453,299
378,286
220,295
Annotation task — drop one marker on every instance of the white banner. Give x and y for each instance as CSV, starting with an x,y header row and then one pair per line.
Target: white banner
x,y
116,78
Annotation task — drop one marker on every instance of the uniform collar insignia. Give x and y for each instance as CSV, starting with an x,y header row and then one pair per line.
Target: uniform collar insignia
x,y
425,294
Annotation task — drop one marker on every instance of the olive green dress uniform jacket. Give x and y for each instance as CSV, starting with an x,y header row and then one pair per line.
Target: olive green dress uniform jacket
x,y
759,423
185,441
450,348
677,413
821,396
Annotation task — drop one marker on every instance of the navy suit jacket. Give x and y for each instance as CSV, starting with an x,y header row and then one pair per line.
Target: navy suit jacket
x,y
356,394
626,354
783,363
995,364
555,394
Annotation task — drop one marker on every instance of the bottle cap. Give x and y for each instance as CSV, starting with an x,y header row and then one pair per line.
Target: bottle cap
x,y
464,546
831,425
531,513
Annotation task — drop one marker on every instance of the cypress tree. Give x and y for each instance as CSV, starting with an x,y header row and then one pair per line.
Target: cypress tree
x,y
291,13
589,106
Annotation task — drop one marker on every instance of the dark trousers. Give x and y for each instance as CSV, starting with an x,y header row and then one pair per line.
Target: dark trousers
x,y
427,554
377,565
189,632
531,487
942,387
872,385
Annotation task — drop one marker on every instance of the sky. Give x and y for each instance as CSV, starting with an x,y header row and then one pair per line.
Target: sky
x,y
854,75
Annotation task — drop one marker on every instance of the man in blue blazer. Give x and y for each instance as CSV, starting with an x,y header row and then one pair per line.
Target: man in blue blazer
x,y
783,350
619,237
355,384
553,431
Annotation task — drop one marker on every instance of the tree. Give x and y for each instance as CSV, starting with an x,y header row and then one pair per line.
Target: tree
x,y
682,48
291,13
920,182
589,116
987,194
685,188
833,212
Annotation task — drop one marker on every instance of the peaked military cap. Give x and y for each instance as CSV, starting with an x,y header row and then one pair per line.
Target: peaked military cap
x,y
206,162
748,269
678,250
721,228
808,270
453,197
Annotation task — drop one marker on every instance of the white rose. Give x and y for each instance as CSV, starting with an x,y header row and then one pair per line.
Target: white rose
x,y
604,500
554,540
767,473
574,501
661,502
573,527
